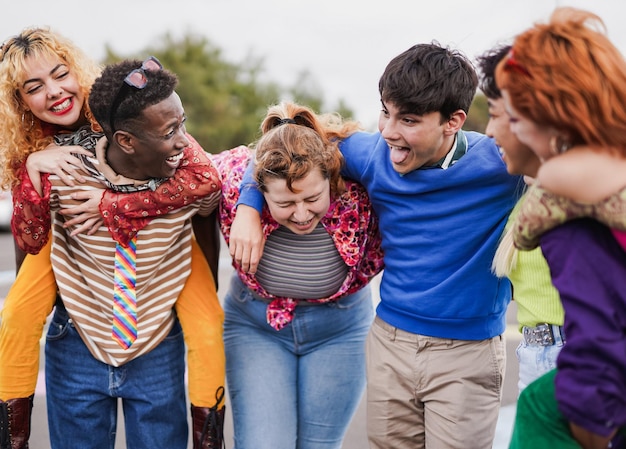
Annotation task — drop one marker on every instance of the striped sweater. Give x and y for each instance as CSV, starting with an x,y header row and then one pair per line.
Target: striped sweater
x,y
84,270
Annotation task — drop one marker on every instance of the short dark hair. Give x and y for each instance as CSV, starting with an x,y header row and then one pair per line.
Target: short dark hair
x,y
429,78
487,64
160,85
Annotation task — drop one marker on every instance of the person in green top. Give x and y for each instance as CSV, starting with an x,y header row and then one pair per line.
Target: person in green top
x,y
539,310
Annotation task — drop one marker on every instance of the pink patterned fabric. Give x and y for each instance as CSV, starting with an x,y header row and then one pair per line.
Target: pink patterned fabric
x,y
350,221
30,223
125,214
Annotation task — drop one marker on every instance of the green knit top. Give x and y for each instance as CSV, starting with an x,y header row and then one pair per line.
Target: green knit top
x,y
537,299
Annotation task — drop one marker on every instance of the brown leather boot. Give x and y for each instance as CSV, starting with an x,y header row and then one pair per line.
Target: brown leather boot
x,y
208,424
15,423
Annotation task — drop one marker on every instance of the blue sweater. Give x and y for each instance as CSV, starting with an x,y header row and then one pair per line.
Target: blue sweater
x,y
440,229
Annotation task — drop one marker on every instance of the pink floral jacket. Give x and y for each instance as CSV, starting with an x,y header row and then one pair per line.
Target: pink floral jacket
x,y
350,221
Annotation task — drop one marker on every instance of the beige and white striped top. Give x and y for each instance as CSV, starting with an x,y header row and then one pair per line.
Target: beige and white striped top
x,y
84,270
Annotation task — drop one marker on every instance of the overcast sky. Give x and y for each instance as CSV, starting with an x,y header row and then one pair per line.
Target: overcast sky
x,y
345,44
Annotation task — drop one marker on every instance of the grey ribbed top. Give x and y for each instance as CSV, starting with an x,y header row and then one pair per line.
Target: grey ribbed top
x,y
301,266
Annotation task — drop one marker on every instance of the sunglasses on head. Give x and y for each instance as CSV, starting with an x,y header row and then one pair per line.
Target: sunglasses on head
x,y
136,78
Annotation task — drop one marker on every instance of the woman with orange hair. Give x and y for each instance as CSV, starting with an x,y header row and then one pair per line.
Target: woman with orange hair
x,y
564,84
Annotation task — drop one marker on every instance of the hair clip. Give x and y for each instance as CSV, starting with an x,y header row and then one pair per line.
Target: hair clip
x,y
284,121
512,63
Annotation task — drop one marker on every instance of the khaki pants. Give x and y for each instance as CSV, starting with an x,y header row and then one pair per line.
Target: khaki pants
x,y
427,392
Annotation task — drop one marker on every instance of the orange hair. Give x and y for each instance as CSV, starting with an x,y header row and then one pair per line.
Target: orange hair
x,y
566,74
295,141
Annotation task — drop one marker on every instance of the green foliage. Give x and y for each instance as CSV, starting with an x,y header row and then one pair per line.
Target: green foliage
x,y
306,92
478,115
225,102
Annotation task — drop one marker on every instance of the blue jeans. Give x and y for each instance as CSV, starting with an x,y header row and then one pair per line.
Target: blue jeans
x,y
299,387
535,361
82,393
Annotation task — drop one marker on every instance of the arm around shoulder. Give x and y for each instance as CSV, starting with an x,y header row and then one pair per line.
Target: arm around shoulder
x,y
583,175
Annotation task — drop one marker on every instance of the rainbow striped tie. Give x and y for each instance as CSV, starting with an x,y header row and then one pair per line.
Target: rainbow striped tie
x,y
124,297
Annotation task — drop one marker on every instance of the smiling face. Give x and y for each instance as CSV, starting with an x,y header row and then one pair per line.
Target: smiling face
x,y
158,148
302,210
528,132
519,158
414,140
51,92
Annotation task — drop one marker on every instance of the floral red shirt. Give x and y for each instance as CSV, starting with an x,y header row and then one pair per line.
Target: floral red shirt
x,y
125,211
350,221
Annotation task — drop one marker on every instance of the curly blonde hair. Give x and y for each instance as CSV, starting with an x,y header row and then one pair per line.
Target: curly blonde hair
x,y
296,140
21,133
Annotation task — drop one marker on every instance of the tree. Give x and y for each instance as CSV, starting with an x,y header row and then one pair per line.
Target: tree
x,y
225,102
478,115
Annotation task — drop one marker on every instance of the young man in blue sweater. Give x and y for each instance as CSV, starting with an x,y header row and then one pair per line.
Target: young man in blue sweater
x,y
436,355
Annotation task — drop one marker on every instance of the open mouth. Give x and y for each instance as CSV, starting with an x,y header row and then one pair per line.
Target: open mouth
x,y
175,159
398,154
61,107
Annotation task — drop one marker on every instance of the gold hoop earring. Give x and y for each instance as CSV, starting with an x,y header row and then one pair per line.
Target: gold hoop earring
x,y
558,145
32,121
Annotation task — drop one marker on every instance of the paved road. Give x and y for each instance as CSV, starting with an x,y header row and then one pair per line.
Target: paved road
x,y
356,437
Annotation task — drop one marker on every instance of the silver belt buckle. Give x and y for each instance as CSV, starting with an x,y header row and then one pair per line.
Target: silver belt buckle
x,y
540,334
